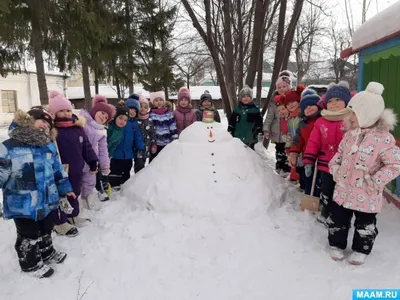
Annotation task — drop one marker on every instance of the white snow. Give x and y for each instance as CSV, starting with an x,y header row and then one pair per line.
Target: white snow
x,y
130,253
378,27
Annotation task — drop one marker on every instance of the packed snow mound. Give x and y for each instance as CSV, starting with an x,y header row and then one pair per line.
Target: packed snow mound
x,y
207,173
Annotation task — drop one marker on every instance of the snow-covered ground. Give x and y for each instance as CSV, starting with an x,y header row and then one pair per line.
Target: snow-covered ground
x,y
143,254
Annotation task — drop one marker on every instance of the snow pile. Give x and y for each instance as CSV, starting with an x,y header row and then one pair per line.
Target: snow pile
x,y
207,173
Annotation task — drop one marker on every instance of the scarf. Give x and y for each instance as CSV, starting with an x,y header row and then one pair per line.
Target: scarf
x,y
184,110
65,122
30,135
159,111
335,115
144,117
294,114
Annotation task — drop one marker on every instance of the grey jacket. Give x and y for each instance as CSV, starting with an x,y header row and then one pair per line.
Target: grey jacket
x,y
272,122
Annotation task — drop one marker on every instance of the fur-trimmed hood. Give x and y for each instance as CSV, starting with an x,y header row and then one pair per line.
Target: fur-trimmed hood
x,y
23,119
387,121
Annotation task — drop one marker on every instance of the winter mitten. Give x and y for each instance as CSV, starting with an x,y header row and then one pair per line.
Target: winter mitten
x,y
293,159
65,206
153,149
294,176
267,134
308,170
105,172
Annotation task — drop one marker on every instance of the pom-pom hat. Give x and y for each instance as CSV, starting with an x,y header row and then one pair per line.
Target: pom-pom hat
x,y
292,96
309,97
133,102
340,90
58,102
184,93
155,95
368,105
246,91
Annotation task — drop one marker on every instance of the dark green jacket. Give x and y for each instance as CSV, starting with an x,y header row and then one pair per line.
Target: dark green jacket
x,y
114,137
246,123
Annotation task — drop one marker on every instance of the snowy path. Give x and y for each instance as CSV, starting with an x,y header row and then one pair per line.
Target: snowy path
x,y
127,254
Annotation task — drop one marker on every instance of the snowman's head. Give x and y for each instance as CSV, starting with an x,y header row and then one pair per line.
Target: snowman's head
x,y
205,133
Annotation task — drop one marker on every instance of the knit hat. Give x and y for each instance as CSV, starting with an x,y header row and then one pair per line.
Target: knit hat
x,y
284,76
58,102
184,93
340,90
205,96
133,102
40,113
159,94
99,103
122,110
368,105
309,97
291,96
246,91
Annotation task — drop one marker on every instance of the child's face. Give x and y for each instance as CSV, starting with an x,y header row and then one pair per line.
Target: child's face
x,y
310,110
184,103
144,108
207,104
42,124
121,121
158,102
354,121
282,88
283,112
132,113
65,113
335,104
246,99
101,117
293,106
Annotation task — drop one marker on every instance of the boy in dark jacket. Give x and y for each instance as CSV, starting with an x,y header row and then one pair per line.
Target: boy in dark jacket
x,y
246,122
33,180
206,105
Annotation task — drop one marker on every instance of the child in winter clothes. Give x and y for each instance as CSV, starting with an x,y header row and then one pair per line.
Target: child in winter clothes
x,y
367,159
76,152
273,120
292,102
184,114
207,105
148,132
245,122
324,141
115,128
131,142
164,122
33,180
310,112
97,118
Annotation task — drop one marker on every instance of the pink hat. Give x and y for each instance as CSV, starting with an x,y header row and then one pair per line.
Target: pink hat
x,y
143,99
159,94
184,93
99,103
58,102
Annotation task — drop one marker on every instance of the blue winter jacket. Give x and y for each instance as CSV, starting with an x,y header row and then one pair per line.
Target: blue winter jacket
x,y
132,141
32,179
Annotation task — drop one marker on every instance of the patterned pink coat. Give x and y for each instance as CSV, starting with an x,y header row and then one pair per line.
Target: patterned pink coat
x,y
365,162
323,143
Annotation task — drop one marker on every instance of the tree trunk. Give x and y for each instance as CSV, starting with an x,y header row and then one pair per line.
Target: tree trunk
x,y
188,80
241,45
229,60
86,81
278,53
36,41
258,31
129,46
118,88
96,81
260,72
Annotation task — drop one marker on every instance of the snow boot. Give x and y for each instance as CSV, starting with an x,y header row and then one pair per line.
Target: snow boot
x,y
66,229
103,196
57,258
336,253
357,258
44,271
78,221
91,202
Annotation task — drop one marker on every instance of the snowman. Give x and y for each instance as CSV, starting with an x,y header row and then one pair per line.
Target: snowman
x,y
207,172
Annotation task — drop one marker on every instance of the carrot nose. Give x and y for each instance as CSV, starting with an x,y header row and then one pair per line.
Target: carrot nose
x,y
211,134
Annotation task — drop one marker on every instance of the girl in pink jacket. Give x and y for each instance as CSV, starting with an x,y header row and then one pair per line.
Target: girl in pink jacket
x,y
97,118
324,142
367,159
184,114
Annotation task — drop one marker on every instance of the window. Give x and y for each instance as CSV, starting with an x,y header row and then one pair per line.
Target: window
x,y
9,101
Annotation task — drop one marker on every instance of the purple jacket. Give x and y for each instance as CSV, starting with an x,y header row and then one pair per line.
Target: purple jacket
x,y
97,135
184,117
75,150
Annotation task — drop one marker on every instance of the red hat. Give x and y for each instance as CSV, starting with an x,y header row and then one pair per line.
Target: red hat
x,y
293,95
99,103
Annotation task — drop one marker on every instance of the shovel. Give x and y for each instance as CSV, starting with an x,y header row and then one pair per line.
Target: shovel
x,y
309,202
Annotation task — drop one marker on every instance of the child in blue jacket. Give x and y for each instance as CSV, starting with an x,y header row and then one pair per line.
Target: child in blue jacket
x,y
33,180
131,142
